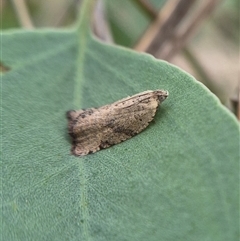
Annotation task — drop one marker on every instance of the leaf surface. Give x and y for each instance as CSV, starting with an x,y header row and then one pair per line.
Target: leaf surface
x,y
177,180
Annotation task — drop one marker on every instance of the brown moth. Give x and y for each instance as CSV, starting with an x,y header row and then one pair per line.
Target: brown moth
x,y
98,128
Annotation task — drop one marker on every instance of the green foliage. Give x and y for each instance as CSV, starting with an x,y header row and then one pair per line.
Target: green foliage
x,y
8,18
177,180
128,21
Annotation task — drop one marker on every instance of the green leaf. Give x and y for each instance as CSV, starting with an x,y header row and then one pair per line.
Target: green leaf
x,y
177,180
128,21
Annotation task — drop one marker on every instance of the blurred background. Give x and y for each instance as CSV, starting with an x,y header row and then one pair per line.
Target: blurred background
x,y
199,36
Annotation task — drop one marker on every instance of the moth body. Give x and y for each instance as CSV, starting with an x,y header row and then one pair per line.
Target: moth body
x,y
94,129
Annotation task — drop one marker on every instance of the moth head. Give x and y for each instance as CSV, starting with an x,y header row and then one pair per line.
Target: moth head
x,y
162,95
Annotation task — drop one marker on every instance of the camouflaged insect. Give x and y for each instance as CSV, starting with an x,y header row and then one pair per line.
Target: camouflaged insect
x,y
98,128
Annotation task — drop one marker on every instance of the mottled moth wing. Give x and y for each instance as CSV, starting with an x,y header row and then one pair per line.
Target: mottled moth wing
x,y
95,129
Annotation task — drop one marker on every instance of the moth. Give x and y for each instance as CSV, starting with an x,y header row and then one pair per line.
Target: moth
x,y
97,128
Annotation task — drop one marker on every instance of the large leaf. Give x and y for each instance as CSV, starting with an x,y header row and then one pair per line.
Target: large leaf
x,y
177,180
